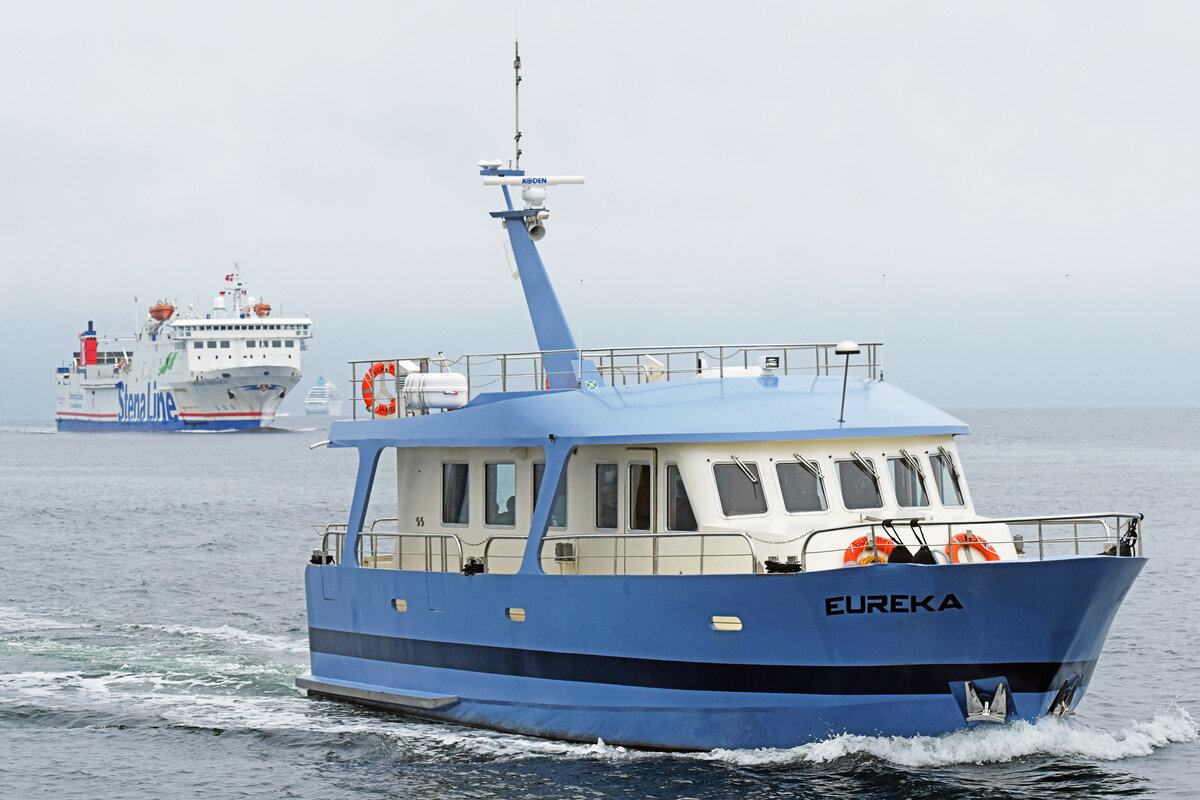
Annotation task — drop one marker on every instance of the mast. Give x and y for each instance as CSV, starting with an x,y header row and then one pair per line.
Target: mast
x,y
525,227
517,101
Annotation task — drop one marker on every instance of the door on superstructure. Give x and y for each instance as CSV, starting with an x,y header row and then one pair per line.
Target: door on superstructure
x,y
639,552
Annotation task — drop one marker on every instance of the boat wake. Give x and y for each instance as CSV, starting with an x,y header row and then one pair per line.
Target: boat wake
x,y
228,679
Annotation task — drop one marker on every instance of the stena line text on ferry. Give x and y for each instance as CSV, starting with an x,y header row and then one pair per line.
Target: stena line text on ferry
x,y
151,405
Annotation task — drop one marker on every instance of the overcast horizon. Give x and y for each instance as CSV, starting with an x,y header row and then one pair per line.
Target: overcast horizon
x,y
1024,174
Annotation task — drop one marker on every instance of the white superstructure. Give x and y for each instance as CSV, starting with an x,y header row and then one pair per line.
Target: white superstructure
x,y
229,368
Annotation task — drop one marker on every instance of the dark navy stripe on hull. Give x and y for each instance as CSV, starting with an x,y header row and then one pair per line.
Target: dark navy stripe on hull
x,y
695,676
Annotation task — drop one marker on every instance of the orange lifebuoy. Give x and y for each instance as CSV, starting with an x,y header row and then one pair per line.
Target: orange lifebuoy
x,y
970,541
381,408
859,551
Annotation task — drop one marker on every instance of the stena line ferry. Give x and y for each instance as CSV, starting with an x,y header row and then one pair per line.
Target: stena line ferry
x,y
689,547
227,369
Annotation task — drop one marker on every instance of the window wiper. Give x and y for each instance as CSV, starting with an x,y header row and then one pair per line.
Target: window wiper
x,y
753,478
949,462
866,465
812,466
911,460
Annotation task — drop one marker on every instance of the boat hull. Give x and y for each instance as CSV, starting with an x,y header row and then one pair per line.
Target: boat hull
x,y
635,660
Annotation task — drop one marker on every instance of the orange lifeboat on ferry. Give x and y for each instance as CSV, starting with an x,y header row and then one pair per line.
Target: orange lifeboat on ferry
x,y
262,310
162,312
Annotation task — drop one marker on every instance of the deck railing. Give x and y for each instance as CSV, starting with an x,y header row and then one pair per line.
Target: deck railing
x,y
617,366
724,552
633,553
1116,533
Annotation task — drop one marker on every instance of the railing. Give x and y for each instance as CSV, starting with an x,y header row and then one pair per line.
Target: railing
x,y
1121,538
333,541
388,551
616,366
673,558
334,533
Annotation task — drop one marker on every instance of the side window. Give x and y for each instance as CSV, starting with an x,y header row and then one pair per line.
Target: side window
x,y
455,494
500,494
225,343
679,508
908,482
196,345
860,486
801,485
945,478
558,510
250,343
640,511
740,489
606,496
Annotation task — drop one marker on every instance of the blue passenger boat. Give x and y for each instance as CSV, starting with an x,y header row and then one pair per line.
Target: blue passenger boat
x,y
689,547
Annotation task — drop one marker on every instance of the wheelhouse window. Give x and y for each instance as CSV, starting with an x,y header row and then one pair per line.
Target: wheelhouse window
x,y
859,483
802,486
640,507
455,494
908,482
558,509
740,489
679,508
500,494
945,478
606,496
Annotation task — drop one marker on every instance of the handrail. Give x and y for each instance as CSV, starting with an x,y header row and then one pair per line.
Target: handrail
x,y
654,555
525,371
888,527
429,538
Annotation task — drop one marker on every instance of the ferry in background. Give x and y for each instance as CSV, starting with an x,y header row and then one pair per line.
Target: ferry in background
x,y
226,370
323,399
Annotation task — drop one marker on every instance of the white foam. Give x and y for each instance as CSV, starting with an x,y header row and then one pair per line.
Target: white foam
x,y
14,620
989,745
228,633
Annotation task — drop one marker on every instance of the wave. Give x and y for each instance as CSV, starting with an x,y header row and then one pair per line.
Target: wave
x,y
988,745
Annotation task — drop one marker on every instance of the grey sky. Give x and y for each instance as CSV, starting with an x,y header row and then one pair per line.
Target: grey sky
x,y
1024,173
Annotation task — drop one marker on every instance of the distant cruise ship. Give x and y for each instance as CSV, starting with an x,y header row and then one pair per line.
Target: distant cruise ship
x,y
228,369
323,398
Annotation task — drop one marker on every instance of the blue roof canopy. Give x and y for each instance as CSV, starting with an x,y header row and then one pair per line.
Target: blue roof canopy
x,y
771,408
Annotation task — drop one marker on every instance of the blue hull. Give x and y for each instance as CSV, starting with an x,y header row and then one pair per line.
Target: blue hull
x,y
633,660
150,425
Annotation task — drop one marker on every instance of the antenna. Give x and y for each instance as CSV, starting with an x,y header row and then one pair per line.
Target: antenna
x,y
517,101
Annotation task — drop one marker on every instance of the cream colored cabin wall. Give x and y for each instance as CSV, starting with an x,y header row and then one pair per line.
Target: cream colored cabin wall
x,y
775,533
419,499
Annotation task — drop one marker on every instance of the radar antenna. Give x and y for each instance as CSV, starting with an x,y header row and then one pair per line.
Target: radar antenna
x,y
517,100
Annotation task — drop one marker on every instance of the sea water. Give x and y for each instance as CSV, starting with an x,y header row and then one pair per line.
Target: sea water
x,y
152,625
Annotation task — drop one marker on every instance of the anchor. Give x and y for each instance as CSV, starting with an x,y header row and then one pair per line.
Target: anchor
x,y
994,710
1061,707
